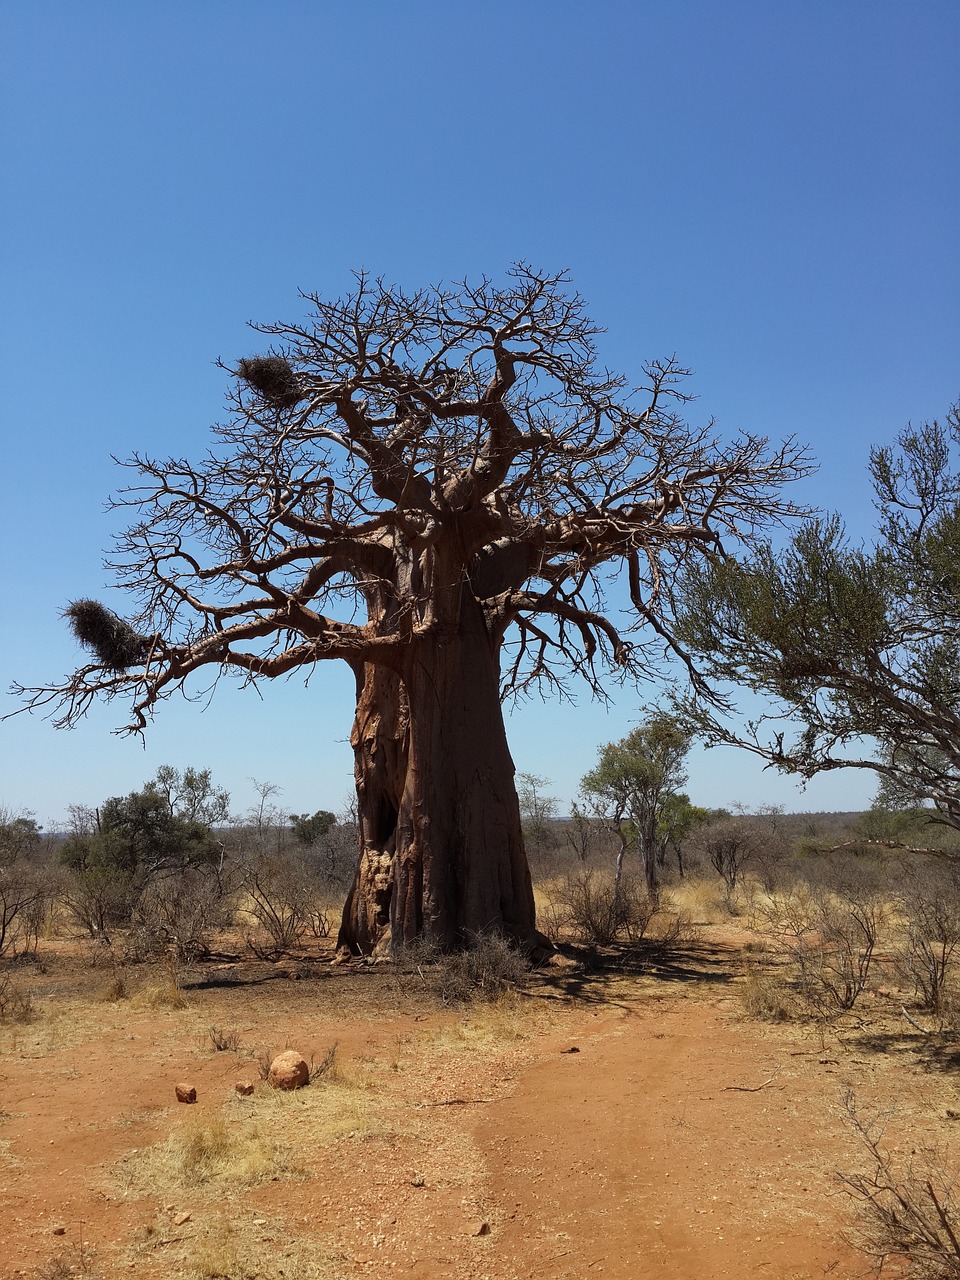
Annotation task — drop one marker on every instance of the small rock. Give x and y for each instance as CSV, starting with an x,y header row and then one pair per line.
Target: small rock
x,y
59,1231
181,1218
573,1049
289,1071
186,1093
481,1229
244,1088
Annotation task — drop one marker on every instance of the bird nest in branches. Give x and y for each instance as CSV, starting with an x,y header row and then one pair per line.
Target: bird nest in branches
x,y
115,643
273,378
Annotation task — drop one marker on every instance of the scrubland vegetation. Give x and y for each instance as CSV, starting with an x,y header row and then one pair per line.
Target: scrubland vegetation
x,y
843,926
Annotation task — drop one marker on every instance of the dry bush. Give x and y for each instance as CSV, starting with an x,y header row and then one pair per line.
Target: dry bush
x,y
98,899
587,903
319,922
765,995
182,910
115,990
930,904
142,944
829,937
326,1067
485,972
15,1005
58,1268
224,1041
24,896
280,897
906,1214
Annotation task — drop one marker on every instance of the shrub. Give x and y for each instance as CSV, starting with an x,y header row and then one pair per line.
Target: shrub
x,y
224,1041
181,911
589,903
98,899
765,995
23,905
931,905
15,1005
830,938
280,899
906,1214
483,973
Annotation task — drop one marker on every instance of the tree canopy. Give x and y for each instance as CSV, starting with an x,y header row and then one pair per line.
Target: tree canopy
x,y
437,488
635,787
849,643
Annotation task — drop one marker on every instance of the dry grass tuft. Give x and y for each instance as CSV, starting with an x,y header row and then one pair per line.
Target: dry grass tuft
x,y
765,995
206,1150
163,995
224,1041
264,1249
115,990
702,901
485,1029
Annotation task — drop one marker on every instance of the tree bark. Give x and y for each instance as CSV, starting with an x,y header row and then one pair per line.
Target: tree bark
x,y
380,740
442,859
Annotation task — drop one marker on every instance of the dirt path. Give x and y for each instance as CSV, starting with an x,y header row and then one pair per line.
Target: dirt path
x,y
657,1134
674,1144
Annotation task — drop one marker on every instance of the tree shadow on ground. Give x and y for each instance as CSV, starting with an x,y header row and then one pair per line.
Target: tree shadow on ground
x,y
595,975
933,1051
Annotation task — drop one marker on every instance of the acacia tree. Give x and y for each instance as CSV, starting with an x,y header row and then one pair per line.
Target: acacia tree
x,y
848,643
434,488
634,788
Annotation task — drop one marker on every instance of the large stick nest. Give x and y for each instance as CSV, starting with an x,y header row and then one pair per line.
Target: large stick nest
x,y
273,377
116,645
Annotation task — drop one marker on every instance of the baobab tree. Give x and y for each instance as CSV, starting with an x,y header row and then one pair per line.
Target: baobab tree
x,y
439,489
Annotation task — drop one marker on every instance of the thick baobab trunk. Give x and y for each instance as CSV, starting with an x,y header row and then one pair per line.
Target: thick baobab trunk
x,y
448,849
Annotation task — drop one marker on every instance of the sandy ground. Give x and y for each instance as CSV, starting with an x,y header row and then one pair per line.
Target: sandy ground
x,y
627,1125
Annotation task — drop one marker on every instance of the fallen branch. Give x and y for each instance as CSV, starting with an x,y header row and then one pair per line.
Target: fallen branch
x,y
751,1088
456,1102
913,1022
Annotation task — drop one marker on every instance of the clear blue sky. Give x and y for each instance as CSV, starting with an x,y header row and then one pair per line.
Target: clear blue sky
x,y
769,189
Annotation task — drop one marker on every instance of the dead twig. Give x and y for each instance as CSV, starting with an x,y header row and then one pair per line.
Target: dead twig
x,y
752,1088
913,1022
457,1102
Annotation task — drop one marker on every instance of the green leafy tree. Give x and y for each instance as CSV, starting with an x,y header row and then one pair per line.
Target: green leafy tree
x,y
309,828
633,788
677,821
847,643
157,831
191,795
